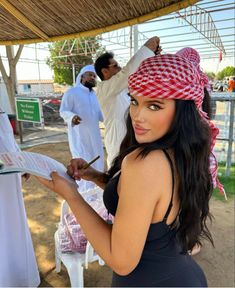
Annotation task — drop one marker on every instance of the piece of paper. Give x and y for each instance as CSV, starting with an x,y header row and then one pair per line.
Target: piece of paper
x,y
33,163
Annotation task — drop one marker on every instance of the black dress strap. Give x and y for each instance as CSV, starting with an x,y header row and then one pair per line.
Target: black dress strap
x,y
173,184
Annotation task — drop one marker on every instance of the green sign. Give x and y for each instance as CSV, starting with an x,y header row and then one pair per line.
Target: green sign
x,y
28,109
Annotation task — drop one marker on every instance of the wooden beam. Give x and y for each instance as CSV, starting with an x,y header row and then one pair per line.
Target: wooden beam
x,y
25,21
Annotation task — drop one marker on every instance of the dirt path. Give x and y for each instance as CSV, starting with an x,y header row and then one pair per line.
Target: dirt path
x,y
43,211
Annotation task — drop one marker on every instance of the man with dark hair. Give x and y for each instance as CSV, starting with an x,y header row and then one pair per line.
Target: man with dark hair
x,y
81,111
104,62
112,93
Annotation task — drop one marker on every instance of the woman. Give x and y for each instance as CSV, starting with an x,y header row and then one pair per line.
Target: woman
x,y
159,188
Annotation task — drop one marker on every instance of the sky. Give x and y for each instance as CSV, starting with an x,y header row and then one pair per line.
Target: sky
x,y
174,33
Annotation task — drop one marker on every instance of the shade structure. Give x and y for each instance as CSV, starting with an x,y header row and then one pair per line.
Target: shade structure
x,y
32,21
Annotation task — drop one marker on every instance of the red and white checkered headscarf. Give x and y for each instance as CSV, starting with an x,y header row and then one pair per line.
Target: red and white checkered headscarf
x,y
193,56
190,54
170,76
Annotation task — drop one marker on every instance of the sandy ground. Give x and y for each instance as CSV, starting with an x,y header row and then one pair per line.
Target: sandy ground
x,y
43,211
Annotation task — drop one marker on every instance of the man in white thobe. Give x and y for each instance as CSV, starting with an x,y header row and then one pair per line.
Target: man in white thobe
x,y
18,267
112,93
81,111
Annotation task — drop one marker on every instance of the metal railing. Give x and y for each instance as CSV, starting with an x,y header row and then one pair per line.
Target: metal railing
x,y
224,120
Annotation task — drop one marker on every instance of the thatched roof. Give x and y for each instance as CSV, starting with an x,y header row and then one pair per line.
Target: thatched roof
x,y
31,21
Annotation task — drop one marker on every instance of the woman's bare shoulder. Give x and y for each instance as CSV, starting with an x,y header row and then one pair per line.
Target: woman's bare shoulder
x,y
153,168
153,160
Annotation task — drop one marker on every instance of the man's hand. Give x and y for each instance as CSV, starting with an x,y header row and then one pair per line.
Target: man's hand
x,y
76,120
159,50
153,44
25,176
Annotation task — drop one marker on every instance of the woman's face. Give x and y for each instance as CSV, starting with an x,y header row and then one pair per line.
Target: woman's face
x,y
151,118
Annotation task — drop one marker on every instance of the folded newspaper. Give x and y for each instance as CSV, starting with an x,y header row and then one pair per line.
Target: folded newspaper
x,y
33,163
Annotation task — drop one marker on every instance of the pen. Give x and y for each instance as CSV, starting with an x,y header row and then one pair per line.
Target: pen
x,y
91,162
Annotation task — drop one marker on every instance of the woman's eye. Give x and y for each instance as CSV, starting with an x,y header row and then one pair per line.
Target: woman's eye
x,y
133,102
154,107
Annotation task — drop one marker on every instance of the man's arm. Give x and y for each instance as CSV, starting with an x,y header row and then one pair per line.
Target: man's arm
x,y
66,110
117,83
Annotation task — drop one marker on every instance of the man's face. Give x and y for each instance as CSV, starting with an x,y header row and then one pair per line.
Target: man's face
x,y
113,68
88,79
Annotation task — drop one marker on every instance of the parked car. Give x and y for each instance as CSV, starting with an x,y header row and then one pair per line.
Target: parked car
x,y
51,114
54,103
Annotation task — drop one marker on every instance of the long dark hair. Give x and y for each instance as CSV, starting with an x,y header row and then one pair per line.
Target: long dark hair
x,y
206,104
189,138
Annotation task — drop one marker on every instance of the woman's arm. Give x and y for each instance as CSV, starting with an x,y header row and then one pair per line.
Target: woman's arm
x,y
121,244
100,179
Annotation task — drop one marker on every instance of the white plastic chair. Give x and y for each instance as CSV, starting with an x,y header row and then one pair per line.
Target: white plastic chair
x,y
74,262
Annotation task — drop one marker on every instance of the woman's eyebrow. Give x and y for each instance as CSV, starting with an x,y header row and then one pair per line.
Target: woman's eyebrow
x,y
156,101
159,101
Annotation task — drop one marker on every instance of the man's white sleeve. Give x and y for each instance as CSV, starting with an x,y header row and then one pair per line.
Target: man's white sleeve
x,y
66,107
119,82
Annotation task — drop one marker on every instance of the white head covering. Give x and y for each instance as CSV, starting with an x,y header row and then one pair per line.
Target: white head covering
x,y
87,68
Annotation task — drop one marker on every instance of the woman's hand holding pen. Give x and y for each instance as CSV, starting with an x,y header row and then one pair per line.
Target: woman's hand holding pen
x,y
78,170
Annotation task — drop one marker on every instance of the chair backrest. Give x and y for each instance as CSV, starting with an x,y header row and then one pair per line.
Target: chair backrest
x,y
63,211
90,255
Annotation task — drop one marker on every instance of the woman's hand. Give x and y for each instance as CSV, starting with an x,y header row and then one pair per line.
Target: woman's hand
x,y
60,185
76,170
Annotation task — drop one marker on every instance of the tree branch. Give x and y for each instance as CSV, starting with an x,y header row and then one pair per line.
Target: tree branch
x,y
3,70
20,48
9,51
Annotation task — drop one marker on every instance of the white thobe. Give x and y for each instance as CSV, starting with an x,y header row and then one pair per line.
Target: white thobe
x,y
18,265
84,139
114,103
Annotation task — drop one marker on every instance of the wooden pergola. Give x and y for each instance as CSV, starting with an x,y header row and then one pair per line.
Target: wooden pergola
x,y
32,21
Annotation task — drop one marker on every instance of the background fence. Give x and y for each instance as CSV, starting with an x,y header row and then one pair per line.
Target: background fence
x,y
224,120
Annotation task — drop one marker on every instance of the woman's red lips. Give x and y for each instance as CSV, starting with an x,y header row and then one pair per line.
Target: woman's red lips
x,y
139,130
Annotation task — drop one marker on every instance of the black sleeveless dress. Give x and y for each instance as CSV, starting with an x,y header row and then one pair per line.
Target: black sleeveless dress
x,y
162,263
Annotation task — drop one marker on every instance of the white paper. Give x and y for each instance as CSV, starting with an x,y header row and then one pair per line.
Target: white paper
x,y
33,163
